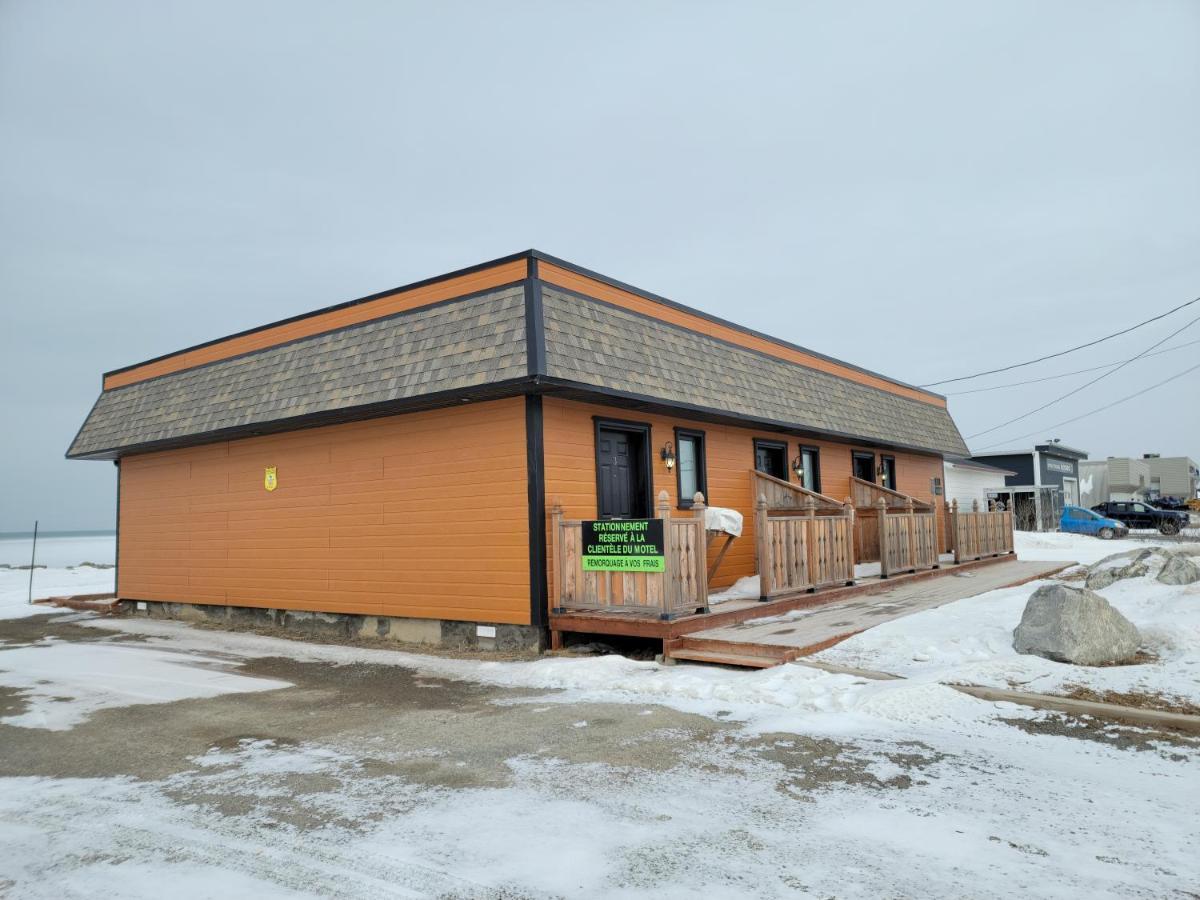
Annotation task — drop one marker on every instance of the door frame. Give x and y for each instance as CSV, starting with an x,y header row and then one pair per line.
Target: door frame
x,y
640,428
865,454
772,445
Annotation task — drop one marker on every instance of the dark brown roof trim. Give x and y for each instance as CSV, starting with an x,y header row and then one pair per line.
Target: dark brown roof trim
x,y
308,337
425,282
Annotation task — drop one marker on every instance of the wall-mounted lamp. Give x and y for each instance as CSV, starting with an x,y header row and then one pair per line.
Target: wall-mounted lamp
x,y
668,454
798,468
880,471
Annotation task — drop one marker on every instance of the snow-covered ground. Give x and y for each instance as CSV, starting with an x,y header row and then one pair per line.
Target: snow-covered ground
x,y
944,796
970,642
64,574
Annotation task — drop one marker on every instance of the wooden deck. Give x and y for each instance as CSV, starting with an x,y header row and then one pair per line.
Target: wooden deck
x,y
649,625
767,641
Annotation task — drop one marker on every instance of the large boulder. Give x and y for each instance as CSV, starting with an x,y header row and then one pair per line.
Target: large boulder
x,y
1130,564
1180,568
1075,625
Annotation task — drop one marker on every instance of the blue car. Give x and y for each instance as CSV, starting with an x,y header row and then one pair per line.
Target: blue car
x,y
1077,520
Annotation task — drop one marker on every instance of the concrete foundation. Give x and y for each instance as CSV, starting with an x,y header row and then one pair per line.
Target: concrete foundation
x,y
342,626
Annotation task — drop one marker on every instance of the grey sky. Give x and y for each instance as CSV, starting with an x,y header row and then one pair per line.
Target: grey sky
x,y
926,189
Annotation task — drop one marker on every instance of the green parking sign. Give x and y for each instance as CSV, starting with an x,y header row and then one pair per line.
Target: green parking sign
x,y
623,545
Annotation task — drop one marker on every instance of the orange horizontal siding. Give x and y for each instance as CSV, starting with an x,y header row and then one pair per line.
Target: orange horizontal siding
x,y
423,515
402,301
570,460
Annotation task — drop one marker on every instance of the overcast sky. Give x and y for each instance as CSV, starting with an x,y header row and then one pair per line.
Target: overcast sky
x,y
925,189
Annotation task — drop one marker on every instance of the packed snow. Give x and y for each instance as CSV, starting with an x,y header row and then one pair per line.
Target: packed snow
x,y
970,641
65,683
950,796
73,566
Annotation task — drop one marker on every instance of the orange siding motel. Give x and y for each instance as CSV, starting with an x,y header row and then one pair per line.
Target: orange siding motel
x,y
390,462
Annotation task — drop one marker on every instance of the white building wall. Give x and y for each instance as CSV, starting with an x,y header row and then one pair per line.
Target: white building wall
x,y
966,485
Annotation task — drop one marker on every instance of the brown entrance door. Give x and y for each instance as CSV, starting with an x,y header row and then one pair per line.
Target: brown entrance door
x,y
621,468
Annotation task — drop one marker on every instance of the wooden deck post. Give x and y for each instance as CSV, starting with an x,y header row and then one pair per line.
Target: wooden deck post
x,y
848,512
556,575
954,527
975,543
701,544
762,541
881,511
671,552
812,543
912,534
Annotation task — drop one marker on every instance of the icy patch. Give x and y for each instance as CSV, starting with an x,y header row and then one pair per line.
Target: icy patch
x,y
65,683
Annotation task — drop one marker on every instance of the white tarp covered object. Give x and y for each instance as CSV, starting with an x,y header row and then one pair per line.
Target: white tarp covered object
x,y
720,518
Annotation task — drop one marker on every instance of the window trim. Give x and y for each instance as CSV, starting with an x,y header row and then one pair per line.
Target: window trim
x,y
701,467
865,454
771,444
642,428
816,452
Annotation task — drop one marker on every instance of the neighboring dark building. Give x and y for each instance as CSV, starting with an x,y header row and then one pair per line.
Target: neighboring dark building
x,y
1046,479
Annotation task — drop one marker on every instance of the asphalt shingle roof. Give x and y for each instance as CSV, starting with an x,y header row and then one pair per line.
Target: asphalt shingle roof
x,y
456,345
597,344
480,341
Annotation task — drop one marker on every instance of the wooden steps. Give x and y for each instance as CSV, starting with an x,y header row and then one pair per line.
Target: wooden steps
x,y
728,653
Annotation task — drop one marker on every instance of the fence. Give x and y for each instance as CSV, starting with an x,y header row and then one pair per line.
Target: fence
x,y
681,589
977,533
871,502
908,540
799,552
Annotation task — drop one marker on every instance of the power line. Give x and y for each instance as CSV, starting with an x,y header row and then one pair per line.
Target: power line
x,y
998,387
1101,409
1074,391
1065,352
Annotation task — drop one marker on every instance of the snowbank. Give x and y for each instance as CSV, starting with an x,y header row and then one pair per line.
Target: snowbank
x,y
970,641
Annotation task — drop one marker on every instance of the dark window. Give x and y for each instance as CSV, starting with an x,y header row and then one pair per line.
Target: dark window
x,y
864,466
810,468
623,485
691,471
770,458
888,464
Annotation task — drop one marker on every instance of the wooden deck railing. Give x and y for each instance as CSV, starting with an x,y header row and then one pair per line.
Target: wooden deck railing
x,y
908,540
867,498
867,494
979,533
783,495
804,551
682,589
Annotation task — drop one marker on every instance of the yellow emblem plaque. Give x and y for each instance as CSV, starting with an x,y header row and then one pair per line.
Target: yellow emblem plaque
x,y
270,480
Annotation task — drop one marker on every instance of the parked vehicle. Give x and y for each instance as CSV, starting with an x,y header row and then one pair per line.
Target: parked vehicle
x,y
1143,515
1077,520
1176,503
